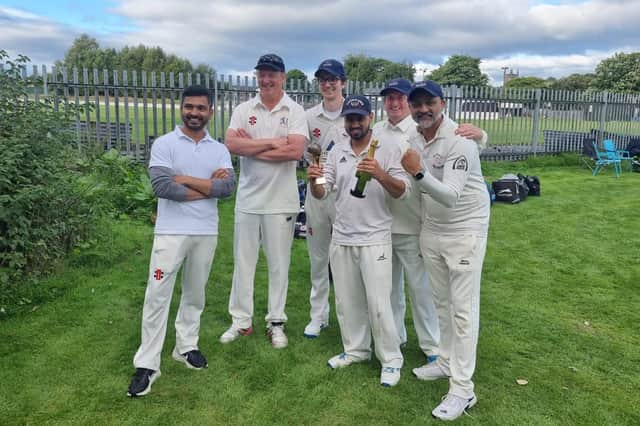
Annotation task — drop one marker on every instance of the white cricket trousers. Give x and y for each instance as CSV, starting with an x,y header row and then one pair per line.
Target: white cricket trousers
x,y
195,254
362,285
407,263
320,217
275,233
454,263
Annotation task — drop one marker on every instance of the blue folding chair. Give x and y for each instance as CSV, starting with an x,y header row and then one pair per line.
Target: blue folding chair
x,y
623,155
604,158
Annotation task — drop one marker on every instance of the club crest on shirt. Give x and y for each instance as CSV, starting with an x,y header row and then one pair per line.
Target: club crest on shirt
x,y
253,120
284,121
438,161
316,132
460,163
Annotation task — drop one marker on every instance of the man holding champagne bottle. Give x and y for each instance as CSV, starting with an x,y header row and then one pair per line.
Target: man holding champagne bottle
x,y
364,171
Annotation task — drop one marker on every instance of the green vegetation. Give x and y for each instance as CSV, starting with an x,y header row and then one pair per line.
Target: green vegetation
x,y
559,308
461,70
52,198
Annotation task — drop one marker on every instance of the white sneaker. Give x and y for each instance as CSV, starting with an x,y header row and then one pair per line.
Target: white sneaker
x,y
453,407
313,329
389,376
278,338
343,360
234,333
431,371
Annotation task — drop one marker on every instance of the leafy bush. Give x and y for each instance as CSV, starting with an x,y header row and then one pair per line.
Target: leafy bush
x,y
117,184
43,210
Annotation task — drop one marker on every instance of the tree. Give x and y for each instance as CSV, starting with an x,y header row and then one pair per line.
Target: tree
x,y
85,52
573,82
82,53
620,73
369,69
296,75
527,83
460,70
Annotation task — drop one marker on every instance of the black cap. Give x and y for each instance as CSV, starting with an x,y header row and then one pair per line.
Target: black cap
x,y
270,61
356,104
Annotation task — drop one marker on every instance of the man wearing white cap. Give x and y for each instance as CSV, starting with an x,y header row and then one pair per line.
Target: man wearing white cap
x,y
364,171
455,208
268,134
326,128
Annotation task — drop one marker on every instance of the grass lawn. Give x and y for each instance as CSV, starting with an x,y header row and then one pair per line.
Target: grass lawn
x,y
560,308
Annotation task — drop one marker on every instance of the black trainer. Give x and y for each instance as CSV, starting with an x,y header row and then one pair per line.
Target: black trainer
x,y
142,381
193,359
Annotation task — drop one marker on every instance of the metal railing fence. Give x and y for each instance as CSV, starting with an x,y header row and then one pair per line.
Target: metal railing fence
x,y
128,109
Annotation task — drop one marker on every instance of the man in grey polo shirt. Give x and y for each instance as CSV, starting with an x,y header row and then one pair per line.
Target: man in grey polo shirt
x,y
326,128
189,172
360,248
455,208
268,134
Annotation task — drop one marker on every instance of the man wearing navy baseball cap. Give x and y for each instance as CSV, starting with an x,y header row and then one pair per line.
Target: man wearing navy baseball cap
x,y
268,134
455,222
360,249
399,127
405,230
326,129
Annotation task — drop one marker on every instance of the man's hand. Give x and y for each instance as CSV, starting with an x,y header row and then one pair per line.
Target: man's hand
x,y
313,172
371,166
242,133
411,162
469,131
220,174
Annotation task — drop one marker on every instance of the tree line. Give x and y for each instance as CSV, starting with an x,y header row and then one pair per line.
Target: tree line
x,y
619,73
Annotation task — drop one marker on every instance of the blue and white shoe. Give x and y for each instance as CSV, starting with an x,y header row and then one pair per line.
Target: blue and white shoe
x,y
313,329
343,360
389,376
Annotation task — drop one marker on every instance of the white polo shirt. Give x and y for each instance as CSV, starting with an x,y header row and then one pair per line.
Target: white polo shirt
x,y
362,221
268,187
325,131
180,153
454,161
406,212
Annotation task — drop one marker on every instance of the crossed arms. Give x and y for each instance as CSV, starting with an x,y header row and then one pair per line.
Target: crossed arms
x,y
188,188
286,148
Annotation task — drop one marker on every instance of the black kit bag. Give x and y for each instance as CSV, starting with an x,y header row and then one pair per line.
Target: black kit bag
x,y
507,189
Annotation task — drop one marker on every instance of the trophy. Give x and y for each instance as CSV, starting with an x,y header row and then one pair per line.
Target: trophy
x,y
364,177
315,151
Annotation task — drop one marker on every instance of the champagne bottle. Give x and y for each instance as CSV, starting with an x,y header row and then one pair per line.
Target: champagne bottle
x,y
364,177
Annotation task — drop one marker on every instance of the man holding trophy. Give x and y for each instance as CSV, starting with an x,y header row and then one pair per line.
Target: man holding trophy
x,y
365,172
326,129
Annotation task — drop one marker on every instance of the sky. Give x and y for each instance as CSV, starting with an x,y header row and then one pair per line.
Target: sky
x,y
543,38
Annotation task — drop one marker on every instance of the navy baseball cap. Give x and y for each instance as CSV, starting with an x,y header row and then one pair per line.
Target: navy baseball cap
x,y
430,87
270,61
356,104
333,67
401,85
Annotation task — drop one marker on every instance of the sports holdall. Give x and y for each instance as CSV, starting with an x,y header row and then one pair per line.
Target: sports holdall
x,y
509,189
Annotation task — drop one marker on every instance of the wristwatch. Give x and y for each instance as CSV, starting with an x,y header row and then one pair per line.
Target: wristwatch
x,y
419,175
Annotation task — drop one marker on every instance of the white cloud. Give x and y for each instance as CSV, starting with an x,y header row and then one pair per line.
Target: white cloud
x,y
539,38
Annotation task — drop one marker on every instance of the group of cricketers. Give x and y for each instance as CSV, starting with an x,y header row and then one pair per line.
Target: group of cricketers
x,y
401,200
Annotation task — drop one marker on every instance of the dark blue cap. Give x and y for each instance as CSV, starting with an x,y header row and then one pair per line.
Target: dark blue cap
x,y
401,85
333,67
356,104
270,61
430,87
